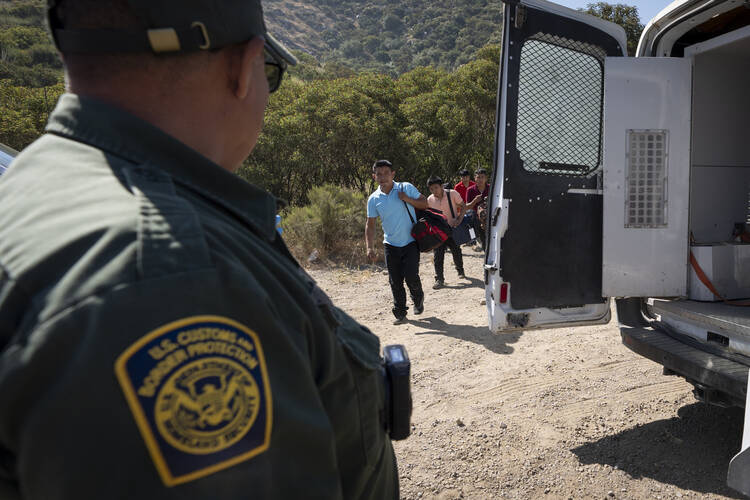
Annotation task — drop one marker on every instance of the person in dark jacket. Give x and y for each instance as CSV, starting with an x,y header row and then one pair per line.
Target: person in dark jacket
x,y
157,339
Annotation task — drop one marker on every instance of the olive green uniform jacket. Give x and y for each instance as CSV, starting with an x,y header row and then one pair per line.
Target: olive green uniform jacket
x,y
156,339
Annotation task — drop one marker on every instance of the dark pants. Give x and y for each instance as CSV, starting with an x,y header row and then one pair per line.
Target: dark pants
x,y
481,236
478,229
403,265
439,257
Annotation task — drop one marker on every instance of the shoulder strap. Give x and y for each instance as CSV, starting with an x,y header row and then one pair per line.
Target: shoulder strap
x,y
450,203
407,210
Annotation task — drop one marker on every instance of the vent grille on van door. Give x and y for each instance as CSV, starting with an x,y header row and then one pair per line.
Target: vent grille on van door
x,y
646,179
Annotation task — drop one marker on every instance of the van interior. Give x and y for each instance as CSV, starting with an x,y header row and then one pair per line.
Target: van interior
x,y
719,196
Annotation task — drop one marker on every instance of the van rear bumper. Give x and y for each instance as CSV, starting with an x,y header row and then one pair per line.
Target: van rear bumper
x,y
717,379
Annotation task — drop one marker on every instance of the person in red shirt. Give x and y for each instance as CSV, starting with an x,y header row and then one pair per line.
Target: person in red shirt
x,y
477,196
463,186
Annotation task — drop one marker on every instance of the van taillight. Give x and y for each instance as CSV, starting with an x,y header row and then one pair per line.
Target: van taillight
x,y
503,293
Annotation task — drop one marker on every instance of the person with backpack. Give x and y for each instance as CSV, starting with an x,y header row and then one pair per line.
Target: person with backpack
x,y
452,205
396,204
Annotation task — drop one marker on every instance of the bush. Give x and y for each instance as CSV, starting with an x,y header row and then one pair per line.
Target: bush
x,y
24,37
24,112
333,224
45,54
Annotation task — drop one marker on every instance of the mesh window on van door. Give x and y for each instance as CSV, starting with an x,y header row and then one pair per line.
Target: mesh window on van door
x,y
560,106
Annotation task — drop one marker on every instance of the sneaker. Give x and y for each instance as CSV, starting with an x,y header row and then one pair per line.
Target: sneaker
x,y
438,285
419,309
462,276
399,321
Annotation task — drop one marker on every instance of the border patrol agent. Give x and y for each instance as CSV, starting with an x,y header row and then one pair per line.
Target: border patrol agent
x,y
156,338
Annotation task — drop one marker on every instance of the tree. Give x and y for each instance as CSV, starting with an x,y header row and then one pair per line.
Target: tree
x,y
451,125
326,131
24,112
624,15
393,23
427,121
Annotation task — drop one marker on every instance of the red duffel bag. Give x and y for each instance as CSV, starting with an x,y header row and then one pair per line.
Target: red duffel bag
x,y
431,230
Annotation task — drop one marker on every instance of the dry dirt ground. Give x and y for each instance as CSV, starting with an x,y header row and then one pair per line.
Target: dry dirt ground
x,y
567,413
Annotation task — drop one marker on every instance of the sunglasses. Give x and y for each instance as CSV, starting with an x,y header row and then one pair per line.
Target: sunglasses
x,y
275,67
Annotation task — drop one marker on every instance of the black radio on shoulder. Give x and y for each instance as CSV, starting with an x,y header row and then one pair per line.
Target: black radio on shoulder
x,y
397,373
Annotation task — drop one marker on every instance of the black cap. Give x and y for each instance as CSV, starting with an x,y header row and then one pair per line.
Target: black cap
x,y
382,163
173,26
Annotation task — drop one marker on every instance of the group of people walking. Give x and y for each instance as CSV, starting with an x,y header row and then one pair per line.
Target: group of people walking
x,y
396,204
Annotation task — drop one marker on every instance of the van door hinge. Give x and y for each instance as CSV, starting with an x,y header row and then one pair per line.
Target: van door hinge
x,y
495,216
520,17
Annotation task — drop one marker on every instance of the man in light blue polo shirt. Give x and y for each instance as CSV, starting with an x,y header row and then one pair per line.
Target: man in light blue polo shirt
x,y
395,204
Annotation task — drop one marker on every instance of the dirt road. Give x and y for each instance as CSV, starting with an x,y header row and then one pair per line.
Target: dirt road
x,y
567,413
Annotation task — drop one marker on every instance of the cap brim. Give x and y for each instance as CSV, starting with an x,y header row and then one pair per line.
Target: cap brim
x,y
282,51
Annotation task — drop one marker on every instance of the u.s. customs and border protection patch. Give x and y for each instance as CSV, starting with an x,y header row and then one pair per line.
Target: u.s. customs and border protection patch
x,y
199,391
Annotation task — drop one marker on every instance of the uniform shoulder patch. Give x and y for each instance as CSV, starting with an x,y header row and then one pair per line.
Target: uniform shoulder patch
x,y
199,391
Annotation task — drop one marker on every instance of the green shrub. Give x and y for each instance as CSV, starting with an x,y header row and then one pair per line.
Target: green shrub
x,y
46,55
24,37
24,111
332,225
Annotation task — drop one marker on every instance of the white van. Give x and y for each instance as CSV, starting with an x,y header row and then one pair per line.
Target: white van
x,y
628,179
6,156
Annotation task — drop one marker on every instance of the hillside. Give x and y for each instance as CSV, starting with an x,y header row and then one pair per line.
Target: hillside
x,y
356,35
27,56
386,36
374,35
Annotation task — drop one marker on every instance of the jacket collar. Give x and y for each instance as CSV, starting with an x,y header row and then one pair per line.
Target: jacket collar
x,y
115,131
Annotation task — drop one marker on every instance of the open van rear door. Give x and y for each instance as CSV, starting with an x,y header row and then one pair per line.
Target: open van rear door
x,y
739,468
544,259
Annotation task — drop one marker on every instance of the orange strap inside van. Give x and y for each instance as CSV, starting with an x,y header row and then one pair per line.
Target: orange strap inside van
x,y
706,281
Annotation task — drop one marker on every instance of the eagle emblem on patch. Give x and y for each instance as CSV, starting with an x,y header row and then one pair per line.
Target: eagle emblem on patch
x,y
199,391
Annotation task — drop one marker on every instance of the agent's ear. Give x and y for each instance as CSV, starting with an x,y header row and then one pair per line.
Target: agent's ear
x,y
248,65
